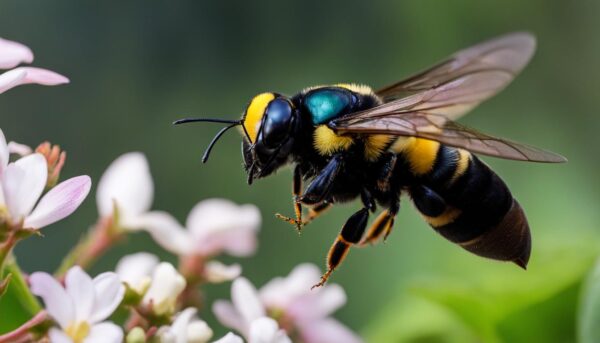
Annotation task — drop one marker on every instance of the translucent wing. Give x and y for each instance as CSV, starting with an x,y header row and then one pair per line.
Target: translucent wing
x,y
462,81
439,128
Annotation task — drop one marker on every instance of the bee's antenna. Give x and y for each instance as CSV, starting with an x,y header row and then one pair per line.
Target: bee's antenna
x,y
231,123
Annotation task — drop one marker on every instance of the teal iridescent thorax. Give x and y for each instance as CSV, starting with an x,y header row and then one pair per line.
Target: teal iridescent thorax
x,y
325,104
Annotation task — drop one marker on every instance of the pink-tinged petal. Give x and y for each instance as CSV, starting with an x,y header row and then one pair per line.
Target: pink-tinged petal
x,y
136,269
11,78
266,330
59,202
230,338
167,232
23,183
105,332
326,331
245,299
320,304
80,288
30,75
13,53
19,149
58,336
56,300
4,153
128,182
281,292
217,215
228,316
216,272
109,292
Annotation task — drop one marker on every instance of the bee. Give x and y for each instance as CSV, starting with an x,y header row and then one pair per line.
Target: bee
x,y
351,142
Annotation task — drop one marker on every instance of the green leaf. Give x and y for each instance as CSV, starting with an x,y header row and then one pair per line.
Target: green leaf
x,y
588,327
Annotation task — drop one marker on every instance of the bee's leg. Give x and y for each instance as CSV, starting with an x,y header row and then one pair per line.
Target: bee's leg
x,y
296,191
316,211
427,201
383,182
319,188
351,234
382,225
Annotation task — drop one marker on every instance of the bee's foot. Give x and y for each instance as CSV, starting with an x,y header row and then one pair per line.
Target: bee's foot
x,y
292,221
323,279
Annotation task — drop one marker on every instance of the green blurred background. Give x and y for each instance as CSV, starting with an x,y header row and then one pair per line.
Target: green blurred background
x,y
136,66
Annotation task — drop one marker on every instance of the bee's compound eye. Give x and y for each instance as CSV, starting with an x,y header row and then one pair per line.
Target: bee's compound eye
x,y
276,125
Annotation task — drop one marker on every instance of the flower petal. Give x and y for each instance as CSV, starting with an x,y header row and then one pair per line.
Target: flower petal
x,y
59,202
128,182
11,78
227,315
266,330
217,224
318,305
281,292
179,326
105,332
198,332
245,299
80,288
56,300
4,152
58,336
167,232
230,338
30,75
166,286
23,183
13,53
109,292
216,272
136,270
19,149
328,330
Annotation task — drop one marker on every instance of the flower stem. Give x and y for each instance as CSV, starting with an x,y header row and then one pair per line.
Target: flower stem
x,y
23,330
6,248
97,241
19,287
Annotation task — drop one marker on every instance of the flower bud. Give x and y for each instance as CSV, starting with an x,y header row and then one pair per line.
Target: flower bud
x,y
136,335
198,332
166,286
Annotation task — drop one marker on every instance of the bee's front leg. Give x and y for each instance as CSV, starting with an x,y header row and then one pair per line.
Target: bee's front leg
x,y
296,191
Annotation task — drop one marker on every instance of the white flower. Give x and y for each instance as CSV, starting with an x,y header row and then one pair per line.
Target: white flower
x,y
247,315
230,338
81,307
136,270
213,226
186,328
216,272
166,286
294,302
11,55
22,183
126,184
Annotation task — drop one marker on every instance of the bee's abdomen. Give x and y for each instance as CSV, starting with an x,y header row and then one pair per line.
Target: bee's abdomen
x,y
478,211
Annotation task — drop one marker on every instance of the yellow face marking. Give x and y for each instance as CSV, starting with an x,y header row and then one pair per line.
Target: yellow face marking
x,y
461,165
375,145
449,215
327,142
255,112
421,153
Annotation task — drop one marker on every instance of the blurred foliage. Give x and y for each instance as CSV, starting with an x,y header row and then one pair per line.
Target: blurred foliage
x,y
136,66
589,313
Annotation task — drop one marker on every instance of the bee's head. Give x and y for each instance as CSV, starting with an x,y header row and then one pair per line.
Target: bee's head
x,y
269,124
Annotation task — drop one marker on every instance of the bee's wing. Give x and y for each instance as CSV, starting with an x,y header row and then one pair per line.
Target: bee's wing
x,y
462,81
439,128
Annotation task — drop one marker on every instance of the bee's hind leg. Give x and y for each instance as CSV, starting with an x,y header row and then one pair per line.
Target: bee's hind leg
x,y
351,234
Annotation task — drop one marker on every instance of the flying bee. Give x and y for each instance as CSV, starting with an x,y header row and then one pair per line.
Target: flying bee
x,y
351,142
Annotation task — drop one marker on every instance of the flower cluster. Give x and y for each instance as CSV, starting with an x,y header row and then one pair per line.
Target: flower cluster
x,y
160,299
